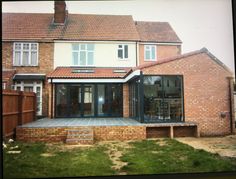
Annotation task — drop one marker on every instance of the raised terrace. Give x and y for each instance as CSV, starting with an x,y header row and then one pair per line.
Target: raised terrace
x,y
56,130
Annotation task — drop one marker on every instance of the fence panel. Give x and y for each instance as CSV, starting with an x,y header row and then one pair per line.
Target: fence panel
x,y
18,108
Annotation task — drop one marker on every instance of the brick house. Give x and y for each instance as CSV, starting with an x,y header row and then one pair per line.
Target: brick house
x,y
91,66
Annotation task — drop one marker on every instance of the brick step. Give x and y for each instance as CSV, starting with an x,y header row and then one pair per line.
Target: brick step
x,y
80,131
79,141
74,135
80,136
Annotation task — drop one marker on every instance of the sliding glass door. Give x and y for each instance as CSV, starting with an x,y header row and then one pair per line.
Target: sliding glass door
x,y
75,100
103,100
89,100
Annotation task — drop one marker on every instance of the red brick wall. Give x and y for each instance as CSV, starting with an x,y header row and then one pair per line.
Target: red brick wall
x,y
45,65
206,91
59,134
162,51
125,100
51,96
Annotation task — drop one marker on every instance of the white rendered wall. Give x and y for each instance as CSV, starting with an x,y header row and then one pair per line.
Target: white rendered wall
x,y
105,54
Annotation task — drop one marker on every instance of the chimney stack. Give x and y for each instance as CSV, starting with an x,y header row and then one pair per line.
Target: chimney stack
x,y
60,12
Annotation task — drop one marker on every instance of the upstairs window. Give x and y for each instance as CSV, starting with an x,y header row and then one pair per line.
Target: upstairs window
x,y
122,51
150,52
83,54
25,54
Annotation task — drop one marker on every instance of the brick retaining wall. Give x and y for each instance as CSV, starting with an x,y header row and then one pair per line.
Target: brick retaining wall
x,y
57,134
104,133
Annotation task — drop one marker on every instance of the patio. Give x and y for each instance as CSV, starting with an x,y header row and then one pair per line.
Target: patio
x,y
75,122
72,122
57,130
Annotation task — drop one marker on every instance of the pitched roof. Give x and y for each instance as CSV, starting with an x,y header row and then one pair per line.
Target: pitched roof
x,y
35,26
177,57
8,74
40,26
100,72
156,32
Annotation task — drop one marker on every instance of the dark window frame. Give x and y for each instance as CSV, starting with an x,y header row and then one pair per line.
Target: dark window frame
x,y
182,91
82,100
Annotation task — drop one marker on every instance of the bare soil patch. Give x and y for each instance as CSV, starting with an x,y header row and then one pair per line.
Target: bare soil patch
x,y
115,152
47,155
224,146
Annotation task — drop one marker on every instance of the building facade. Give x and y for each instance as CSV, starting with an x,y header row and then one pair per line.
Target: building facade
x,y
84,66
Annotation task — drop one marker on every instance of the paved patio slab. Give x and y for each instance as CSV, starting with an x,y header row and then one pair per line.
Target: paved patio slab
x,y
70,122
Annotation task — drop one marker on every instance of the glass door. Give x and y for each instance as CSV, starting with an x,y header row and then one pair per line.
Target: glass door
x,y
103,100
75,100
88,99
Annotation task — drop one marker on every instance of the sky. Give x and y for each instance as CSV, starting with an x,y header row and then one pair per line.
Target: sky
x,y
198,23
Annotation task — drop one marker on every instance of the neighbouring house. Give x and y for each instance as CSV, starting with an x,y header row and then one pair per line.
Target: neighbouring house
x,y
91,66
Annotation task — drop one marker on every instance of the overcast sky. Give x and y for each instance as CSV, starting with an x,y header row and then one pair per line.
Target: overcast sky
x,y
198,23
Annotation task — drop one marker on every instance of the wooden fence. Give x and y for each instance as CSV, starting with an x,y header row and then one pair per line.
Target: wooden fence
x,y
18,108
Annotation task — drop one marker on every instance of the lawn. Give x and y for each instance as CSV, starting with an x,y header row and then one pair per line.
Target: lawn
x,y
110,158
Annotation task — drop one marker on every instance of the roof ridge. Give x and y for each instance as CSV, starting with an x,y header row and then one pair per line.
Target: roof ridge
x,y
41,13
153,21
176,57
169,59
68,14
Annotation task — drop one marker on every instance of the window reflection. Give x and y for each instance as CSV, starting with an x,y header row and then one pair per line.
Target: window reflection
x,y
163,98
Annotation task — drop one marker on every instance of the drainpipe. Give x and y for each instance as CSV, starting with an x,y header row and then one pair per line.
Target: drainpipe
x,y
141,95
51,99
136,53
231,105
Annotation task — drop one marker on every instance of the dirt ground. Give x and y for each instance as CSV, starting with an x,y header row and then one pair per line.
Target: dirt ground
x,y
224,146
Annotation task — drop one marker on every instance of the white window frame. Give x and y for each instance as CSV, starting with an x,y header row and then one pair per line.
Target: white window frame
x,y
150,50
21,53
123,51
34,85
4,85
86,54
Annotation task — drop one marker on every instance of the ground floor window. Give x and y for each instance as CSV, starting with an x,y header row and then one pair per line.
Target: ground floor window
x,y
163,98
89,100
31,86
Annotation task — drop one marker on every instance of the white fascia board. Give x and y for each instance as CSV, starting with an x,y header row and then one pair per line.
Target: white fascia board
x,y
135,73
96,41
158,43
30,74
86,80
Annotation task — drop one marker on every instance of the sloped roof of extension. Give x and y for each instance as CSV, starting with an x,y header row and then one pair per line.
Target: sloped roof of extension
x,y
178,57
89,72
40,26
8,74
121,72
156,32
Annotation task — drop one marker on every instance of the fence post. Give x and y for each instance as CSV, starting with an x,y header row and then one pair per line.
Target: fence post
x,y
35,106
20,107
